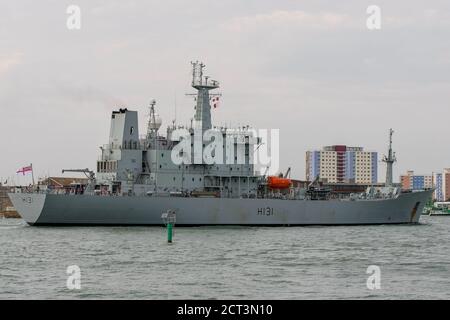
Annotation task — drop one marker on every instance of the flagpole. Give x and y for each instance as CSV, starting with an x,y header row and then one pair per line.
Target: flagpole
x,y
32,173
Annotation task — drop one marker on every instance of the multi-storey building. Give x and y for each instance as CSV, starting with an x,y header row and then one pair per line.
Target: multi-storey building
x,y
446,184
412,181
405,180
440,181
342,164
437,183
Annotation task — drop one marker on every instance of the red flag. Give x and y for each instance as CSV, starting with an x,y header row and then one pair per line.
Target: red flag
x,y
215,102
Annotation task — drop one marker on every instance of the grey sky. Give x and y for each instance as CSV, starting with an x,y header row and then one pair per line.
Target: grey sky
x,y
310,68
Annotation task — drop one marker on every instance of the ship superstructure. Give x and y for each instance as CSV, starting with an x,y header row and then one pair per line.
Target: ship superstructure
x,y
138,166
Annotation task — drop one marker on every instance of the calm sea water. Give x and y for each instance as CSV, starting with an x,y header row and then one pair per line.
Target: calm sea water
x,y
226,262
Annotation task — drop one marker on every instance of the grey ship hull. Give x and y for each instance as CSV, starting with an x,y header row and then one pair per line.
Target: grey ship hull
x,y
49,209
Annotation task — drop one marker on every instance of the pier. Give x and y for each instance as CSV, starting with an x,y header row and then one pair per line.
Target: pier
x,y
6,208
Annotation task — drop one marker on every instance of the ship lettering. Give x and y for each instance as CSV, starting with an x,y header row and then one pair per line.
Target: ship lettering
x,y
267,211
27,199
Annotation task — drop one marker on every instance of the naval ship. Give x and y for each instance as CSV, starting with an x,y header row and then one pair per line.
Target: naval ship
x,y
188,172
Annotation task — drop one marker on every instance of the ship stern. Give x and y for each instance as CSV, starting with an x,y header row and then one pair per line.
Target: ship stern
x,y
28,205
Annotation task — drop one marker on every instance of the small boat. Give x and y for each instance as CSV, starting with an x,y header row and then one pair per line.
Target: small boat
x,y
440,209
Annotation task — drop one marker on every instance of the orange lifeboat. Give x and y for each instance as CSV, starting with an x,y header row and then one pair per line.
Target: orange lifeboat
x,y
275,182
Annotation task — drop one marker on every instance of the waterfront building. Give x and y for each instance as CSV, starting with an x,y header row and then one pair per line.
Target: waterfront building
x,y
412,181
438,194
440,181
342,164
446,184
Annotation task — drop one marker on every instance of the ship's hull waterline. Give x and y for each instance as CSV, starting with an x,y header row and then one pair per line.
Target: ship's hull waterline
x,y
51,209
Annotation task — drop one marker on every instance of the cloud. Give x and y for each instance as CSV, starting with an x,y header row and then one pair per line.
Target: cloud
x,y
427,18
7,62
283,18
331,20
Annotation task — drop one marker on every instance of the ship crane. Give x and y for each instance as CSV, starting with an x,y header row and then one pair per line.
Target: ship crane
x,y
88,173
315,182
266,171
288,173
316,192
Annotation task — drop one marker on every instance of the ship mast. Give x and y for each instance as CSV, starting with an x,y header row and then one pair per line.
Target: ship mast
x,y
389,160
203,84
154,123
153,126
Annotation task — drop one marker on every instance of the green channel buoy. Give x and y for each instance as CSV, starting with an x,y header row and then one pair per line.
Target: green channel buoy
x,y
169,219
169,232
